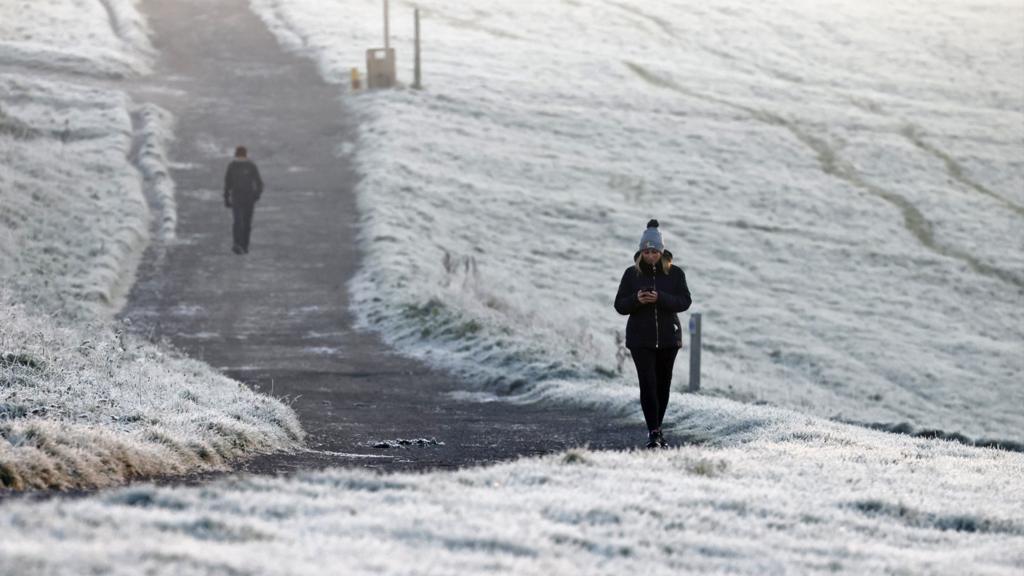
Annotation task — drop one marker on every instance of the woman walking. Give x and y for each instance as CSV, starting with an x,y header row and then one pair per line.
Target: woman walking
x,y
652,293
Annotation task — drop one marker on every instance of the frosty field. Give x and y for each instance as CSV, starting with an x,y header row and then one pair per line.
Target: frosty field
x,y
842,181
106,38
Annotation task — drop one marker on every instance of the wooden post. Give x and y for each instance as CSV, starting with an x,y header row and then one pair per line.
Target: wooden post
x,y
416,78
387,35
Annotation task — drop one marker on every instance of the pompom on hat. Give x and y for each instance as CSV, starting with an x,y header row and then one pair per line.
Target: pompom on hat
x,y
652,238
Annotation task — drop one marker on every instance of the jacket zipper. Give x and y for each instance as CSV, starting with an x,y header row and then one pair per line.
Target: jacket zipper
x,y
657,335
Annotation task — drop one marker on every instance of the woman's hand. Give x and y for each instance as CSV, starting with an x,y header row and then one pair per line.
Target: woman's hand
x,y
646,297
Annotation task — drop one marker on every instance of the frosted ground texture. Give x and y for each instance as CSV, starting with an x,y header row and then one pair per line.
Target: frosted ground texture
x,y
100,38
74,218
842,181
786,495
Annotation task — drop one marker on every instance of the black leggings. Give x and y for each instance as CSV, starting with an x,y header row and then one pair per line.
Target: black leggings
x,y
654,370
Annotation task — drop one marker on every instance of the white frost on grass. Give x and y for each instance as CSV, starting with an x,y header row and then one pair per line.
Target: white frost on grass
x,y
786,495
107,38
843,182
74,218
81,404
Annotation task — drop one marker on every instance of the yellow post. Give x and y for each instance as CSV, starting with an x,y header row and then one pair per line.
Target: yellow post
x,y
355,79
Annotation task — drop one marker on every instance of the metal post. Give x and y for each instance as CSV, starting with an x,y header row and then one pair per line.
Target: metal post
x,y
695,352
416,78
387,35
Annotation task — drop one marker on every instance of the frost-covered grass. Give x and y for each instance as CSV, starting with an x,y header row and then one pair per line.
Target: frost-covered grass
x,y
843,182
82,405
74,218
776,493
107,38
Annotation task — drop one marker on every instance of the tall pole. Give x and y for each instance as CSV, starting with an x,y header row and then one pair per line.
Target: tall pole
x,y
416,79
387,35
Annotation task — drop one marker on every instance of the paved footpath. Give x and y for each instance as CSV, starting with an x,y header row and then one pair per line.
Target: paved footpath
x,y
277,318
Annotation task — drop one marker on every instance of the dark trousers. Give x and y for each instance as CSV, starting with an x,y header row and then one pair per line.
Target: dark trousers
x,y
654,370
243,222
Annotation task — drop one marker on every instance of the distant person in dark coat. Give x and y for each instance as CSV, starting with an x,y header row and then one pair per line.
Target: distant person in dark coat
x,y
242,189
652,292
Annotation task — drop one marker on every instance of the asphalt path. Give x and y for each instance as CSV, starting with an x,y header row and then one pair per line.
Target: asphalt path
x,y
277,319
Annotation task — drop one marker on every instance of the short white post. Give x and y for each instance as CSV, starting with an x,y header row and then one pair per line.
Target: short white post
x,y
695,352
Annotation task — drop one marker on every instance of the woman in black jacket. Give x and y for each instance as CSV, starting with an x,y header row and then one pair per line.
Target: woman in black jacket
x,y
652,293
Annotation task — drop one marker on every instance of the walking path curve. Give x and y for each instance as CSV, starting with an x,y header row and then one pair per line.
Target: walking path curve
x,y
277,318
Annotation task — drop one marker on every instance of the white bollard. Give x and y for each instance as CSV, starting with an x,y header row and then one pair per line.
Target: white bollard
x,y
695,352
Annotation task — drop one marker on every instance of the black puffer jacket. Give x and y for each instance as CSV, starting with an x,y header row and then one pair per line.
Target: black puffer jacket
x,y
653,325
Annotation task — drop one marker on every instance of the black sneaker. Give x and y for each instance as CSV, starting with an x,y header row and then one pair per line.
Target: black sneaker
x,y
652,439
661,440
236,249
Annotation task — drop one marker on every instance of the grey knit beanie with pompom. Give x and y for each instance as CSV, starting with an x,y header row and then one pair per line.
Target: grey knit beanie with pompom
x,y
652,237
